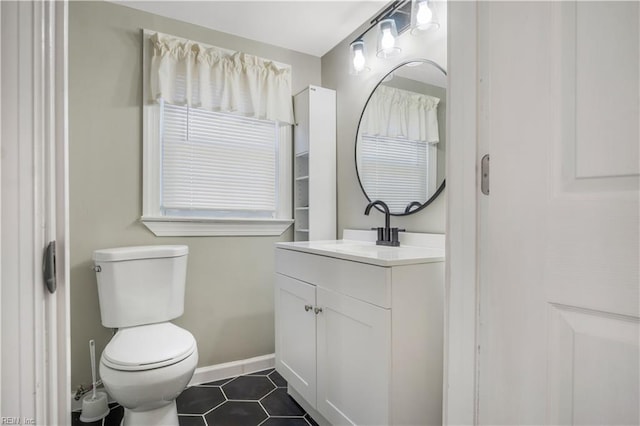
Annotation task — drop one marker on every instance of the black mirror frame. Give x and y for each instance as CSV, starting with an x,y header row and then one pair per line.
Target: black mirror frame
x,y
442,185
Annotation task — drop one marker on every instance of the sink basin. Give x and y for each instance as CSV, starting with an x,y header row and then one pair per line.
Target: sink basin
x,y
372,250
369,252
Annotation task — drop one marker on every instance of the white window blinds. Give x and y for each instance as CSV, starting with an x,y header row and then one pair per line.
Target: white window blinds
x,y
394,170
216,164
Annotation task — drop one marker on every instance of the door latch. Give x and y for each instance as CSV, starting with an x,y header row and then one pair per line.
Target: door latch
x,y
49,267
484,171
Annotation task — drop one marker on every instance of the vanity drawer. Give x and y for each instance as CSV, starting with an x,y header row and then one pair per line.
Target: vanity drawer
x,y
369,283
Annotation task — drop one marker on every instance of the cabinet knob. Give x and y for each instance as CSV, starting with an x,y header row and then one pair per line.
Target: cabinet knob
x,y
318,310
308,307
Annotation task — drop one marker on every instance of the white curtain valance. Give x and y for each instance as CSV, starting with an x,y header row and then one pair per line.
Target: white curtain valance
x,y
395,112
185,72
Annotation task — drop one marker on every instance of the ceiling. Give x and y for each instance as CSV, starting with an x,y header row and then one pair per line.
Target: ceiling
x,y
308,26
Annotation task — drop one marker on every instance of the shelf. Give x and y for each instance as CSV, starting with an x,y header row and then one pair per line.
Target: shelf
x,y
315,134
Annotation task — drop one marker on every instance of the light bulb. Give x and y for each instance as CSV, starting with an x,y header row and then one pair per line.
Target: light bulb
x,y
424,14
358,60
423,17
387,34
387,40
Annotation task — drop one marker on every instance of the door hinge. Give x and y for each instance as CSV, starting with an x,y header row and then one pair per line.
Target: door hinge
x,y
49,267
484,174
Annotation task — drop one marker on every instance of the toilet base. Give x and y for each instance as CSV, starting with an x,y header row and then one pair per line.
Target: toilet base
x,y
167,415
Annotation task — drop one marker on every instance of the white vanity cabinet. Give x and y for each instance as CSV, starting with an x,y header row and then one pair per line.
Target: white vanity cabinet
x,y
360,343
296,334
353,354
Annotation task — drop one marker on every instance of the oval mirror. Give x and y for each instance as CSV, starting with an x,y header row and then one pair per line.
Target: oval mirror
x,y
401,139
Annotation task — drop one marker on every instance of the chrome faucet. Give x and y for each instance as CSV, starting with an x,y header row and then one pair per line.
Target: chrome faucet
x,y
387,236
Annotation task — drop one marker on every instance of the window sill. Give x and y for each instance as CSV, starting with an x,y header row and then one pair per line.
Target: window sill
x,y
205,227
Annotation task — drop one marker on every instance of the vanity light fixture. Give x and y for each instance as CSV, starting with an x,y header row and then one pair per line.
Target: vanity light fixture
x,y
423,16
393,20
387,35
358,55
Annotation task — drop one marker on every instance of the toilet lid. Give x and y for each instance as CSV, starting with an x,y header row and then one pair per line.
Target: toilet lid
x,y
148,346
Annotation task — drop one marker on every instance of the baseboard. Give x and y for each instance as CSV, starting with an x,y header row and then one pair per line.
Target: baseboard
x,y
75,405
211,373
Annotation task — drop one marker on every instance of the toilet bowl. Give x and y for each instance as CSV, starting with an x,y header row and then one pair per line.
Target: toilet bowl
x,y
145,368
149,361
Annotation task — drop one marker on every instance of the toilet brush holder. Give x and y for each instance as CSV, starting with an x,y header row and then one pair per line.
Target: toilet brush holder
x,y
94,407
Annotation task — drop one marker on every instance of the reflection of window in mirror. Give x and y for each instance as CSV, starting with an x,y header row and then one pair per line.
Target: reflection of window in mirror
x,y
397,146
437,90
400,145
397,169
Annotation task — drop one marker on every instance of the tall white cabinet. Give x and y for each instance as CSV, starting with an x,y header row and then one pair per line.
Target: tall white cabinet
x,y
315,164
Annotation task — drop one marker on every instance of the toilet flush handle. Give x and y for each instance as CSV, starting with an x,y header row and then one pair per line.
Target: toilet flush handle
x,y
96,268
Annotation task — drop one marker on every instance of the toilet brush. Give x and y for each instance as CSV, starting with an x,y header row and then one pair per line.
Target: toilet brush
x,y
95,405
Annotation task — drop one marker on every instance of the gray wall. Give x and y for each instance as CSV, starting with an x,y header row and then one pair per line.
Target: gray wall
x,y
229,295
352,94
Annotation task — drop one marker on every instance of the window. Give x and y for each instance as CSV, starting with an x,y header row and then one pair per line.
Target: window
x,y
217,165
208,172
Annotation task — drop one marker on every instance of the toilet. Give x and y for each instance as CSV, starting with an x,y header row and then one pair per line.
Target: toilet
x,y
149,361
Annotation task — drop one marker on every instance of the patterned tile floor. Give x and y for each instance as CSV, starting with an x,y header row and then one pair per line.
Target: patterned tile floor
x,y
257,399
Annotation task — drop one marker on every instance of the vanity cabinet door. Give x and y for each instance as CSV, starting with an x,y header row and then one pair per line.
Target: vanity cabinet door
x,y
354,352
295,331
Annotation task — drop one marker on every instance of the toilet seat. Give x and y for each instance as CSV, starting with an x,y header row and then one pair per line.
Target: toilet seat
x,y
148,347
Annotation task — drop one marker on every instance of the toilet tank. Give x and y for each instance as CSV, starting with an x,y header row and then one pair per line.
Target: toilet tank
x,y
140,285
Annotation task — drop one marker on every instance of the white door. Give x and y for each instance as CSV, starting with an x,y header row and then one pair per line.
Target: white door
x,y
296,335
559,258
354,355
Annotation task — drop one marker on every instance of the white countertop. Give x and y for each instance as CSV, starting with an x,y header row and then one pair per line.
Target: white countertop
x,y
369,252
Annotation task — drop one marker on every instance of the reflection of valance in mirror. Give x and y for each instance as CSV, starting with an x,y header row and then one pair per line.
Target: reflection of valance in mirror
x,y
185,72
395,112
